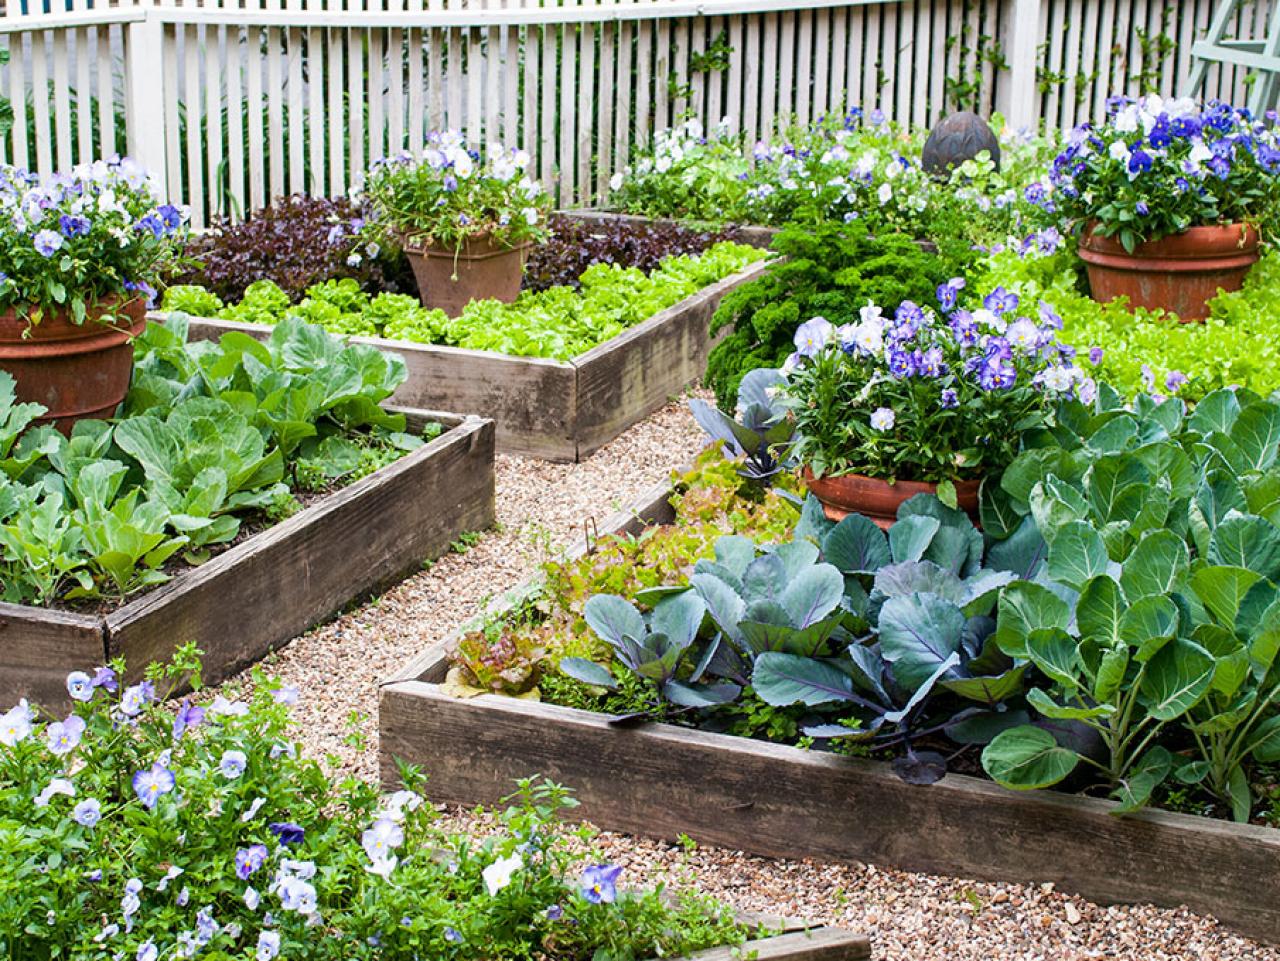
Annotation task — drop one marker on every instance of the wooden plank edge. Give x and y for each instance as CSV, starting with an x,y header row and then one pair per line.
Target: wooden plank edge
x,y
466,434
815,944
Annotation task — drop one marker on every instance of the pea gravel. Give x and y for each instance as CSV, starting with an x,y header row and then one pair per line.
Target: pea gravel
x,y
910,917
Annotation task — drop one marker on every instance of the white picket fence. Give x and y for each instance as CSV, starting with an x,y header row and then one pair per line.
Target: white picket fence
x,y
236,103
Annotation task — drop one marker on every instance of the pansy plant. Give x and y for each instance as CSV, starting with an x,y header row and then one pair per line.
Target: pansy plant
x,y
127,835
1158,166
927,395
84,242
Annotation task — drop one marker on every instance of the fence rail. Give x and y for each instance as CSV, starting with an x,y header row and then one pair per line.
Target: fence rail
x,y
233,104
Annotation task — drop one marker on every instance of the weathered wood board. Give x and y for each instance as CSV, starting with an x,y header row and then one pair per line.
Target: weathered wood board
x,y
266,590
780,801
818,944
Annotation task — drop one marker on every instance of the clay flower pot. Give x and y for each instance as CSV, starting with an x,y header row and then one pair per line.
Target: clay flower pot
x,y
878,499
1181,272
77,371
450,278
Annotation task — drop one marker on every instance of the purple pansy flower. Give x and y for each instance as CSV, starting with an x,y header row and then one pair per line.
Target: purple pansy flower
x,y
47,242
1000,301
188,716
151,783
287,832
249,860
600,883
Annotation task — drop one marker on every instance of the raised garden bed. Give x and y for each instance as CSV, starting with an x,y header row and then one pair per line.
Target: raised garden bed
x,y
781,801
270,587
559,410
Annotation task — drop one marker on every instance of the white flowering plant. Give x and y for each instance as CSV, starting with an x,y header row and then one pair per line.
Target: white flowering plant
x,y
135,830
925,395
844,166
686,172
84,242
452,194
1158,166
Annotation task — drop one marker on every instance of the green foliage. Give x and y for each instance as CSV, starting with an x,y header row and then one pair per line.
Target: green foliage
x,y
832,271
1239,344
559,322
839,168
211,434
248,849
1162,620
883,638
192,300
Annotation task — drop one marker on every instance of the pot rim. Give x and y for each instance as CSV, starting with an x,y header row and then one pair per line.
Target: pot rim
x,y
854,478
57,327
1207,242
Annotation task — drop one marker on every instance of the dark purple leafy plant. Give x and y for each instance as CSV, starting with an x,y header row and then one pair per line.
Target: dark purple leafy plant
x,y
297,242
575,245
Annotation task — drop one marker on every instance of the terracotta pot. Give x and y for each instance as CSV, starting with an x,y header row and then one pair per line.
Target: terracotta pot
x,y
1181,273
878,499
77,371
481,270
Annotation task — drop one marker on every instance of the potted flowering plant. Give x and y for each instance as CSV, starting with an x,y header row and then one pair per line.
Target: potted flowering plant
x,y
890,407
464,219
1168,196
80,255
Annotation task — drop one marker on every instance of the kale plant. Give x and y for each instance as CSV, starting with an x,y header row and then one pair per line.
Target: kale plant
x,y
832,270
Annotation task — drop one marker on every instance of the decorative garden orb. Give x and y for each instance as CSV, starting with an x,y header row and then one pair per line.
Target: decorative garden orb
x,y
958,138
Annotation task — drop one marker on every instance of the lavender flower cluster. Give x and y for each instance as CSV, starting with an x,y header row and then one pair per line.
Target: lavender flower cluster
x,y
992,347
1159,166
92,234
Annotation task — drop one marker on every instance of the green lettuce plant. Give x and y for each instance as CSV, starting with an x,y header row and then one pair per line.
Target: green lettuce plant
x,y
559,322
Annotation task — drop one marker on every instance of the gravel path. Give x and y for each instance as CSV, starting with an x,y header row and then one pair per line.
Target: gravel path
x,y
911,917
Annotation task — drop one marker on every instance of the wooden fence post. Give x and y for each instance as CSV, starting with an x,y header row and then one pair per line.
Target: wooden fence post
x,y
1018,96
145,75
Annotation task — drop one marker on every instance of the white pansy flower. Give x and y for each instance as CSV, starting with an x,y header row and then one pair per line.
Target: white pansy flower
x,y
498,874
